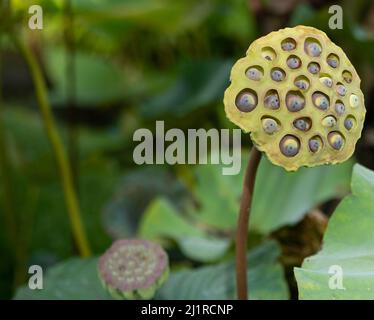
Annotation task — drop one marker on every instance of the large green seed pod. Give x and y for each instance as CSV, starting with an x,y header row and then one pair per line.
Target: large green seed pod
x,y
133,269
299,96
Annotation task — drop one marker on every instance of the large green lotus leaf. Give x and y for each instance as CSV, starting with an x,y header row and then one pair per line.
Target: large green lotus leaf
x,y
280,197
348,248
265,279
74,279
161,220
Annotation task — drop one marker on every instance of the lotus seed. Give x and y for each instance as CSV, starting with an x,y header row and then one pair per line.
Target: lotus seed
x,y
293,62
313,67
302,83
294,101
339,108
313,48
320,100
254,73
288,44
336,140
289,146
269,125
271,100
246,101
268,54
353,101
302,124
277,75
326,81
329,121
333,61
315,144
347,76
341,90
349,123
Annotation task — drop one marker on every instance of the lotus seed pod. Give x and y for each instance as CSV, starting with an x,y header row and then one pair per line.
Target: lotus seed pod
x,y
308,90
133,269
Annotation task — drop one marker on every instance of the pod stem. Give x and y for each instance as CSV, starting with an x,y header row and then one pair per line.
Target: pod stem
x,y
62,161
243,223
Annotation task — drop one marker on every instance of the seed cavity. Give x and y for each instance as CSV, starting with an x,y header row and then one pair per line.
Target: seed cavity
x,y
271,100
255,73
333,60
315,144
293,62
277,74
270,125
339,107
320,100
289,145
341,89
349,122
302,83
313,67
326,81
312,47
354,101
246,100
336,140
347,76
329,121
303,124
268,53
288,44
295,101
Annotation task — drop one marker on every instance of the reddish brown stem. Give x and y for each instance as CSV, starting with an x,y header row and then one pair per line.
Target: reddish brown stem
x,y
243,223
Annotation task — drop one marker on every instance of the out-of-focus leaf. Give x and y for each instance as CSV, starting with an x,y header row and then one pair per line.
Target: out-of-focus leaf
x,y
98,80
265,279
162,221
348,250
134,193
280,197
200,83
38,185
74,279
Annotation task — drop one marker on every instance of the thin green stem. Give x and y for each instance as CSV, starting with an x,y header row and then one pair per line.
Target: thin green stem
x,y
70,77
63,165
5,170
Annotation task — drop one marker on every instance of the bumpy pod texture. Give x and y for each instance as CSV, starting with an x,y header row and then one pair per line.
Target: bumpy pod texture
x,y
299,96
133,269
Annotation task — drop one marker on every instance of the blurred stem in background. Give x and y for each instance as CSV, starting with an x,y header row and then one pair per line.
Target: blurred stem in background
x,y
71,91
6,175
58,148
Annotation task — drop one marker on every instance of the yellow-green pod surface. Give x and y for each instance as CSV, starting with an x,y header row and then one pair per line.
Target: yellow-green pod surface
x,y
299,96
